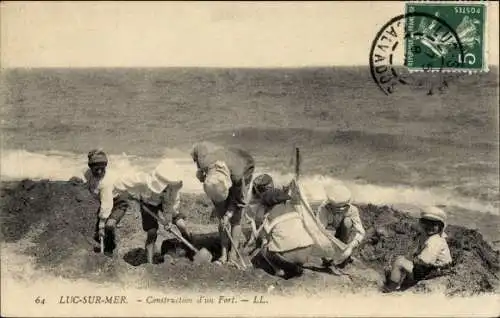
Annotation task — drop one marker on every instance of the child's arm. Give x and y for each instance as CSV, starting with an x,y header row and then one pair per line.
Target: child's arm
x,y
359,230
81,177
323,214
106,197
201,175
430,252
170,206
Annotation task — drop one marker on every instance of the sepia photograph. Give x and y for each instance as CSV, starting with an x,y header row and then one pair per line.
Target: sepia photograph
x,y
249,159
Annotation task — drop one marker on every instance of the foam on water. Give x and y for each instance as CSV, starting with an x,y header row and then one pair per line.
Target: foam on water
x,y
59,166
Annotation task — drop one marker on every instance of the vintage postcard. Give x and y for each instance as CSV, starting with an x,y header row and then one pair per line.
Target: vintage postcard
x,y
249,159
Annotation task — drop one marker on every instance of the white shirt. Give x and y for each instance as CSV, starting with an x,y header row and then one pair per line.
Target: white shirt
x,y
103,188
109,187
435,251
352,214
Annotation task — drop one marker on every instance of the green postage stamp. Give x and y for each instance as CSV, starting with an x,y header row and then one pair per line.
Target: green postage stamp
x,y
446,36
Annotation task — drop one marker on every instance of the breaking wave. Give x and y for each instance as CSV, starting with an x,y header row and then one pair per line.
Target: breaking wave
x,y
60,166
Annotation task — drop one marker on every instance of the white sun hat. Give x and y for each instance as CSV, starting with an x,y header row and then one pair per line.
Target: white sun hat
x,y
166,172
433,213
337,194
217,182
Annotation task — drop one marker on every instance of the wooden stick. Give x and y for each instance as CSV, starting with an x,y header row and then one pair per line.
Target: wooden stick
x,y
101,241
333,239
177,235
297,163
254,236
235,247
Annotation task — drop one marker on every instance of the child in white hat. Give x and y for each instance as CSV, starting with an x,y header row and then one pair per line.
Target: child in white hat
x,y
430,259
158,189
338,214
158,194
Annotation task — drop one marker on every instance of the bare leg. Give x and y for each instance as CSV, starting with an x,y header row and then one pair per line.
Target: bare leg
x,y
224,243
236,234
181,225
400,269
151,245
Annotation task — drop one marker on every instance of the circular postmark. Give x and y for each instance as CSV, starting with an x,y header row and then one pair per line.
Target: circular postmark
x,y
411,49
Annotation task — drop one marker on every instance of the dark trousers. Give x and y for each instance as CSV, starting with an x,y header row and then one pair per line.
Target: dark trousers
x,y
291,262
235,197
120,206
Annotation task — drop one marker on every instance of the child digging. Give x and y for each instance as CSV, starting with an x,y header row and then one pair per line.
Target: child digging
x,y
158,194
287,244
338,213
113,204
166,208
156,190
431,258
226,174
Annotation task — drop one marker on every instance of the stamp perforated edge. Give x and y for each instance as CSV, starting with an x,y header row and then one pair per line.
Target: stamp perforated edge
x,y
486,41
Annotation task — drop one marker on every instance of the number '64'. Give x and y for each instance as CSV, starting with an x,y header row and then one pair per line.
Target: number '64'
x,y
39,300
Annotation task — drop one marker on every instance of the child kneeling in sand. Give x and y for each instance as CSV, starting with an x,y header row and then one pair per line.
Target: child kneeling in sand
x,y
431,257
338,213
287,243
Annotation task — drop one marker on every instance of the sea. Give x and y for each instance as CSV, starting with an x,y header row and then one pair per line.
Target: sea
x,y
424,144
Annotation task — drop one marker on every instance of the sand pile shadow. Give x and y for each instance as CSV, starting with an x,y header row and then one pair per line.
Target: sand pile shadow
x,y
59,219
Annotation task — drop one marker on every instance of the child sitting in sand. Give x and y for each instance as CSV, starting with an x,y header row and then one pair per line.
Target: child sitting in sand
x,y
431,257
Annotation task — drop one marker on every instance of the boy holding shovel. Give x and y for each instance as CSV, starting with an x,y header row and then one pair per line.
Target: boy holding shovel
x,y
113,204
165,207
156,190
225,173
158,194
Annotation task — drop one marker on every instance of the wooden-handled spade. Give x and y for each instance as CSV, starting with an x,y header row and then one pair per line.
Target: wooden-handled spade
x,y
201,256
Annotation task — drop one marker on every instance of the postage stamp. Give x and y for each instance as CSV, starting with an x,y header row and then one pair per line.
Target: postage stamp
x,y
397,45
469,23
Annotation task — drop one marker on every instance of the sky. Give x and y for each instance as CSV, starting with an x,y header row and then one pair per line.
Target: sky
x,y
215,34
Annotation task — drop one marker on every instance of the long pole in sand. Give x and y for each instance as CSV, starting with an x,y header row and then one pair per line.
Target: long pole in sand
x,y
101,241
297,163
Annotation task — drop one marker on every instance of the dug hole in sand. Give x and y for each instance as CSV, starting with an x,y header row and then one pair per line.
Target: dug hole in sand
x,y
50,225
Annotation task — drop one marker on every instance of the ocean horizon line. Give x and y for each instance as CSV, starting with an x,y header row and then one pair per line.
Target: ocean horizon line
x,y
358,66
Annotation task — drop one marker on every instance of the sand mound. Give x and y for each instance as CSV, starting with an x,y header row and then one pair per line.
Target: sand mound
x,y
391,233
59,218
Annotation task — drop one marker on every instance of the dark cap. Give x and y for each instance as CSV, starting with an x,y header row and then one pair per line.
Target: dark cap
x,y
274,197
97,157
263,182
